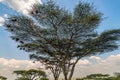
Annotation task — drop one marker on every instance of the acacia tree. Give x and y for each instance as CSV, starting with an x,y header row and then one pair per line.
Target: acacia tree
x,y
64,36
97,76
31,74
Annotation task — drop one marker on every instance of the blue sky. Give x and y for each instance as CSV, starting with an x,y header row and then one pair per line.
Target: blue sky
x,y
12,58
110,9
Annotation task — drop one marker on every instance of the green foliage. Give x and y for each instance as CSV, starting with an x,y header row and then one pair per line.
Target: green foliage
x,y
29,74
44,79
92,76
79,79
23,78
60,36
3,78
99,77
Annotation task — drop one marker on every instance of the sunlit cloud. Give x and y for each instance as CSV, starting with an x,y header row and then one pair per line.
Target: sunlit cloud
x,y
20,5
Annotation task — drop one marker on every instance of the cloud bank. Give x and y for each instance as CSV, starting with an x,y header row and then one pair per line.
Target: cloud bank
x,y
84,67
20,5
98,65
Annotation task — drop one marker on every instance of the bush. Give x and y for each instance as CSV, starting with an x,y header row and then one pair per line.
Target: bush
x,y
79,79
44,79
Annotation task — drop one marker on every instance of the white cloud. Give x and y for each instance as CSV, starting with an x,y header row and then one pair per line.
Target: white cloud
x,y
95,58
20,5
84,62
83,68
2,20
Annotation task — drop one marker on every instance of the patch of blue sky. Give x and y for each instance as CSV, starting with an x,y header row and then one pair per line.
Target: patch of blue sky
x,y
8,47
6,10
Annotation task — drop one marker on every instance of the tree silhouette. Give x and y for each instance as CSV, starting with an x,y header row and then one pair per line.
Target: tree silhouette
x,y
54,33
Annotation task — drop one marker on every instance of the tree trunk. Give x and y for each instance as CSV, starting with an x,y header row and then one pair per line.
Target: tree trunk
x,y
73,68
65,74
68,74
55,78
71,73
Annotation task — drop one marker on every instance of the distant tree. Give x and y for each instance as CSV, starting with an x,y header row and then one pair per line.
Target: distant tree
x,y
110,78
31,74
97,76
3,78
63,36
117,75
